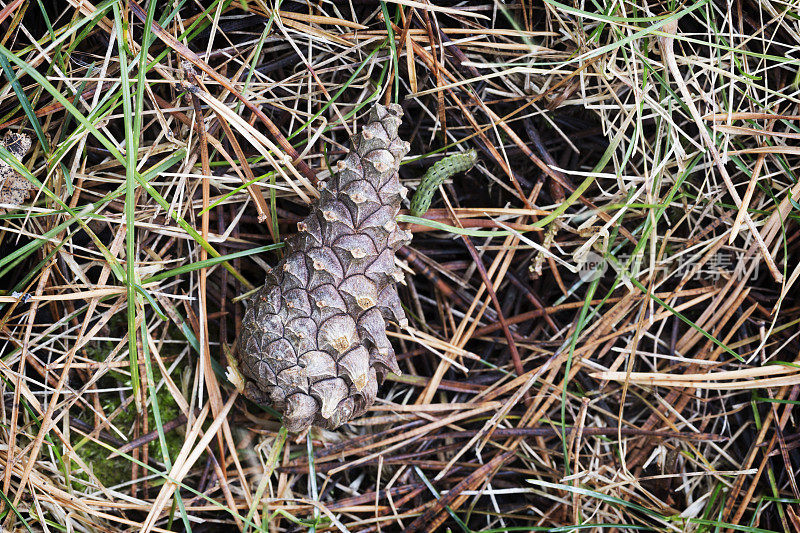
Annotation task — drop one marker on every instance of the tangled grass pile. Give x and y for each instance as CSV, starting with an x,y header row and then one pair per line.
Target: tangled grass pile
x,y
602,314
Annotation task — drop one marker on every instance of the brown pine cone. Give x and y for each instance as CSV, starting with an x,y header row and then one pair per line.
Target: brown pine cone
x,y
313,341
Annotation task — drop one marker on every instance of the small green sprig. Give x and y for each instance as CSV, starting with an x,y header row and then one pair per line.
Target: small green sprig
x,y
436,175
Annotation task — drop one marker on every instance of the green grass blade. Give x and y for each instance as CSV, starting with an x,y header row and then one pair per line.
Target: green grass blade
x,y
131,149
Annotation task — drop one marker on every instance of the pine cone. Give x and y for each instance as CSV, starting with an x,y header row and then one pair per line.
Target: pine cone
x,y
313,341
